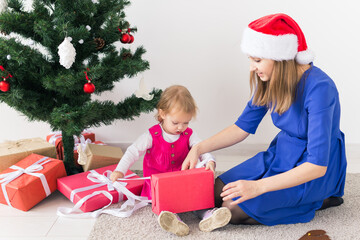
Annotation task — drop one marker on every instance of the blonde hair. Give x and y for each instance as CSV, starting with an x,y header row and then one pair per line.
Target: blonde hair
x,y
280,91
176,97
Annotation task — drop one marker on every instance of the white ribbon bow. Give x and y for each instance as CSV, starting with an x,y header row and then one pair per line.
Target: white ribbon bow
x,y
30,170
81,147
77,140
101,180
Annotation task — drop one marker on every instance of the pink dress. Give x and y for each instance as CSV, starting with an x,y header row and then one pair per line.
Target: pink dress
x,y
164,156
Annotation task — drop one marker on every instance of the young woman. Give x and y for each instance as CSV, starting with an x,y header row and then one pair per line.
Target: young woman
x,y
304,168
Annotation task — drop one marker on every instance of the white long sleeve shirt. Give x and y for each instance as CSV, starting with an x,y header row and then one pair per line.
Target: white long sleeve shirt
x,y
144,142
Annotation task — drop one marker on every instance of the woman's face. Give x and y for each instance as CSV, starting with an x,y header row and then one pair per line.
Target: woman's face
x,y
262,67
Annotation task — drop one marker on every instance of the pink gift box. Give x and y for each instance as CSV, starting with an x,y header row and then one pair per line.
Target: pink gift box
x,y
73,188
182,191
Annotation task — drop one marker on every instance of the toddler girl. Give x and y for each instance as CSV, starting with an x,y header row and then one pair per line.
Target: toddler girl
x,y
167,145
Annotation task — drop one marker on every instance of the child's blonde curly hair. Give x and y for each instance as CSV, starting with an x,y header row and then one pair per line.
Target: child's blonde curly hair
x,y
176,97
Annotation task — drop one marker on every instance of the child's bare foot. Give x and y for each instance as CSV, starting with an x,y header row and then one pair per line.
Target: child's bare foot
x,y
171,222
215,218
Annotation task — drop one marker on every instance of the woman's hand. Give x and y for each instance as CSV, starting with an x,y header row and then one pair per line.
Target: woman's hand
x,y
244,189
191,159
115,175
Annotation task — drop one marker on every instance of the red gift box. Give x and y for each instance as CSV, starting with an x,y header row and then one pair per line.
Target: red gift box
x,y
78,186
29,181
182,191
56,139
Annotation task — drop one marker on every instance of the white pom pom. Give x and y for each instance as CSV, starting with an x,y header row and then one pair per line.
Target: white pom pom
x,y
305,57
3,5
8,57
142,92
95,1
66,53
88,27
81,41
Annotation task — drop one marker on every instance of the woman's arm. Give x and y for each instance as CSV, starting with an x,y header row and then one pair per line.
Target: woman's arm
x,y
227,137
249,189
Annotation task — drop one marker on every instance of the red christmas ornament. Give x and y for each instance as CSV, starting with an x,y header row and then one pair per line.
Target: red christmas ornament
x,y
131,39
89,87
4,86
125,38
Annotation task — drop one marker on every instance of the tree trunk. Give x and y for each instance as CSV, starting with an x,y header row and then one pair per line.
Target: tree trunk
x,y
68,142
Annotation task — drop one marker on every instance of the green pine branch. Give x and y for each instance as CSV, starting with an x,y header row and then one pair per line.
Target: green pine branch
x,y
43,90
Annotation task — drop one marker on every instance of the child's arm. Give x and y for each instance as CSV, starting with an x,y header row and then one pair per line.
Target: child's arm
x,y
132,154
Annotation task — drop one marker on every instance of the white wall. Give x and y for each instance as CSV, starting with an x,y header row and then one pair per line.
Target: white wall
x,y
196,43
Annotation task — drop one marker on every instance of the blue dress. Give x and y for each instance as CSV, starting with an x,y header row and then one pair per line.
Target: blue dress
x,y
309,133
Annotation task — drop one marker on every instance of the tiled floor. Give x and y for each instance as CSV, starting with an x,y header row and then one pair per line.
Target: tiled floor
x,y
42,223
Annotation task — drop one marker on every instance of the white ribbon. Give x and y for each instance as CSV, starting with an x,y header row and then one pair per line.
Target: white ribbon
x,y
30,170
81,147
102,180
57,134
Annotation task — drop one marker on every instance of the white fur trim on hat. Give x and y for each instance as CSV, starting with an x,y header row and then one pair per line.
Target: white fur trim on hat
x,y
281,47
305,57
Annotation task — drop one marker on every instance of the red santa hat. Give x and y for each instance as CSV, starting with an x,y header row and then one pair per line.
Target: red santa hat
x,y
276,37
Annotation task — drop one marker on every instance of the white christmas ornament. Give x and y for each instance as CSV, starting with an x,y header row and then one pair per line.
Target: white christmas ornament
x,y
3,5
66,53
81,41
143,92
8,57
88,27
95,1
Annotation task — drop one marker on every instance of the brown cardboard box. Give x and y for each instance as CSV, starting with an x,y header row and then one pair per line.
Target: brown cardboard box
x,y
12,152
101,156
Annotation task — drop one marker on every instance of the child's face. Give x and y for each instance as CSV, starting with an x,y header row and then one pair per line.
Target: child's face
x,y
175,122
262,67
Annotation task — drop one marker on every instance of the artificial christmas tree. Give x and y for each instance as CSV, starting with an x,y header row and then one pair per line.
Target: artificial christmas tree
x,y
58,54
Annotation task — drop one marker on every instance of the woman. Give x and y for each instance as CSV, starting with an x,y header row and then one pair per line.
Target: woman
x,y
304,168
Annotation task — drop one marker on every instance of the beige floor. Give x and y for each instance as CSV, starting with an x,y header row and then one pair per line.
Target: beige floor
x,y
42,223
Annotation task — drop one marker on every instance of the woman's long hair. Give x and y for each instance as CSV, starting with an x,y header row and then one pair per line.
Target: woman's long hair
x,y
280,91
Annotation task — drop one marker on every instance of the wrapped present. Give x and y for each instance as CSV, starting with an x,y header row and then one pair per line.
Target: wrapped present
x,y
76,151
182,191
96,156
84,186
12,152
29,181
55,138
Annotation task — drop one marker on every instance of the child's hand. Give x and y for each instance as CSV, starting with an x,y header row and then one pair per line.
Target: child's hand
x,y
115,175
210,165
